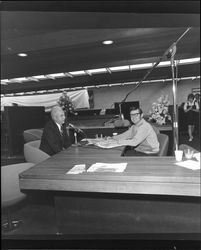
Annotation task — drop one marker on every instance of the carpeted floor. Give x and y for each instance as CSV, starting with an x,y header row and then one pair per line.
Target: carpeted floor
x,y
37,214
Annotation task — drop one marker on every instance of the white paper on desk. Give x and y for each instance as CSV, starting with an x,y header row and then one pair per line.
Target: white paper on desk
x,y
92,140
107,167
109,143
197,156
103,143
77,169
190,164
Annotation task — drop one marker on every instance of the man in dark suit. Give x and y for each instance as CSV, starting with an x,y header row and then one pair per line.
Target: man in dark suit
x,y
55,138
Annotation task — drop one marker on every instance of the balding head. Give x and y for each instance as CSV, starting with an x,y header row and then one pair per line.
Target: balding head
x,y
57,114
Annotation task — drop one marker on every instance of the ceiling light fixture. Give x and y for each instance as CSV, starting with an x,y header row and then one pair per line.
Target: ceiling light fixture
x,y
78,73
120,68
110,70
94,71
40,77
22,54
107,42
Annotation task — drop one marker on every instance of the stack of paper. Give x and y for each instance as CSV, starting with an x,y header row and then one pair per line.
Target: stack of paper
x,y
197,156
77,169
110,143
104,143
190,164
92,140
107,167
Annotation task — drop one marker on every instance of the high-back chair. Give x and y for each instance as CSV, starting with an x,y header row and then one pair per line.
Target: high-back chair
x,y
32,134
164,143
33,154
10,191
157,131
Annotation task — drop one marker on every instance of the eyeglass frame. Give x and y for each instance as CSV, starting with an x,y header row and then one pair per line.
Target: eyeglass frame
x,y
135,115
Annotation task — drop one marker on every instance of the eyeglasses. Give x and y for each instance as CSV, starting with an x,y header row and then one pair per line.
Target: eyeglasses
x,y
134,114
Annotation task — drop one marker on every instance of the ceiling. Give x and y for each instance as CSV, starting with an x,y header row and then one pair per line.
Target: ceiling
x,y
67,41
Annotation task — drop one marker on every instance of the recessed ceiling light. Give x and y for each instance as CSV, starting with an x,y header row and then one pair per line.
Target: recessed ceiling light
x,y
22,54
107,42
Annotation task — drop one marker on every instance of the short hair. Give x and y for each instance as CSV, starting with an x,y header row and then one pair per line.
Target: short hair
x,y
191,96
54,110
136,108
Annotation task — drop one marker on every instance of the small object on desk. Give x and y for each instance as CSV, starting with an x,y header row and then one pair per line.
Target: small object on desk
x,y
75,144
197,156
75,136
188,153
178,155
77,169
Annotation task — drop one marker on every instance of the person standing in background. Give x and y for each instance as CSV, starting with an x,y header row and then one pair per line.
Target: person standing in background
x,y
197,99
191,107
197,118
54,138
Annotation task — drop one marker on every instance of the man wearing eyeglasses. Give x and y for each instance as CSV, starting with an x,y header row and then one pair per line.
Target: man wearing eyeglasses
x,y
140,136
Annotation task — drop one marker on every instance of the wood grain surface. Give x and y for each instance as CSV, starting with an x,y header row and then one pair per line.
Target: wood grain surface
x,y
143,175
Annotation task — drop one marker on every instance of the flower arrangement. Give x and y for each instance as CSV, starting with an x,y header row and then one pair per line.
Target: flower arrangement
x,y
66,103
159,112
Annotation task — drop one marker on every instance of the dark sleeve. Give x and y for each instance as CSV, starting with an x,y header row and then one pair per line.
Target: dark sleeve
x,y
52,138
67,140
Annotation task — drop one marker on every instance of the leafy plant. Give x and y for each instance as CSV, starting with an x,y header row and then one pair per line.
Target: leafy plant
x,y
66,103
159,112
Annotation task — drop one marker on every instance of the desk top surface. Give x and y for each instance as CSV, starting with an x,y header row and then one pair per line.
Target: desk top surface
x,y
143,175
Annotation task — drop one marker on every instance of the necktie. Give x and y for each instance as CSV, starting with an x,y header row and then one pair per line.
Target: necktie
x,y
61,131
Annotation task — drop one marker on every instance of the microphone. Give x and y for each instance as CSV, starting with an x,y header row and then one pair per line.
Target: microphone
x,y
75,128
121,115
171,51
78,130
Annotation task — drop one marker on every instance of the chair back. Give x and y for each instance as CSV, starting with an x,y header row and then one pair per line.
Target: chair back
x,y
33,154
156,130
164,143
10,191
32,134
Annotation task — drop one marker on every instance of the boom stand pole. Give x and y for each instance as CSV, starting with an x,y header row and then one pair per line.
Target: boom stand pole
x,y
121,116
175,109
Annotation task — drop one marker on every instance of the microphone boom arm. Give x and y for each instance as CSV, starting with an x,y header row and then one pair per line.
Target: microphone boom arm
x,y
171,48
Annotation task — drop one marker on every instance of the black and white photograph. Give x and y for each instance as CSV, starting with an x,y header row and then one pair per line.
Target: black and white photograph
x,y
100,125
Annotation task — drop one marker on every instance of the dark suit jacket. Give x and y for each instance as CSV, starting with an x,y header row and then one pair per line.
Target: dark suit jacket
x,y
52,141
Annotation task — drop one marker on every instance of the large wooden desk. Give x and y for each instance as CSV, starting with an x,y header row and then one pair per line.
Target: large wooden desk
x,y
152,195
